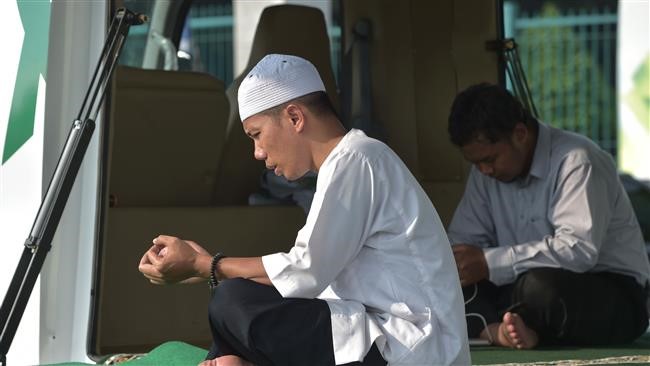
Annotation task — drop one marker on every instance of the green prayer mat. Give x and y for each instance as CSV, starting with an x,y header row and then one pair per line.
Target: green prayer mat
x,y
167,354
181,354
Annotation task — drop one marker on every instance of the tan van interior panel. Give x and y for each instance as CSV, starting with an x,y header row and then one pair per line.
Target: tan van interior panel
x,y
411,104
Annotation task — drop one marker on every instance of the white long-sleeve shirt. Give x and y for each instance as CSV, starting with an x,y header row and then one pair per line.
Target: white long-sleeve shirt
x,y
571,212
374,248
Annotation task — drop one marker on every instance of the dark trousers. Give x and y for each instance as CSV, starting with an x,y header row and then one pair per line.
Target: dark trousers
x,y
253,321
564,307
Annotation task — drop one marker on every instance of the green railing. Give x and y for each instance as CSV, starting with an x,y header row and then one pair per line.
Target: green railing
x,y
569,58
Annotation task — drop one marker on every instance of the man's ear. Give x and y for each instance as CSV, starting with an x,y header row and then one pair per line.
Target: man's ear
x,y
520,132
297,116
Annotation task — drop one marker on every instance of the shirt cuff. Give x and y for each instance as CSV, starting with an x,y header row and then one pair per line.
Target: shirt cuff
x,y
500,261
274,265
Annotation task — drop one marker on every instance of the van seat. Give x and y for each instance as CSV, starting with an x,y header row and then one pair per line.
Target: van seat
x,y
160,121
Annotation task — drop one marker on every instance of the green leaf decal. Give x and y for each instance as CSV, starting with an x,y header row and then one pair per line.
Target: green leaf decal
x,y
35,16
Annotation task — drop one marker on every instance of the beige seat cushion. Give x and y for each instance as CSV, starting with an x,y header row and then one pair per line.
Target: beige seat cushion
x,y
167,131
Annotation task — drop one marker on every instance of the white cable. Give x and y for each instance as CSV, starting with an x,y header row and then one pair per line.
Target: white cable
x,y
473,295
485,325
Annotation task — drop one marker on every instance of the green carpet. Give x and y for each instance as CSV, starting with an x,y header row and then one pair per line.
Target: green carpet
x,y
181,354
494,355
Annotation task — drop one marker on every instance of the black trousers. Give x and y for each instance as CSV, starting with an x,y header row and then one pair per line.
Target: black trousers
x,y
564,307
255,322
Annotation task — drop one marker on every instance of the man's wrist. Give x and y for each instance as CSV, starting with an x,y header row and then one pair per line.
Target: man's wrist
x,y
202,266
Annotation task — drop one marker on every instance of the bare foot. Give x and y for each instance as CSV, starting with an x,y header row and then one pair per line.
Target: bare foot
x,y
229,360
518,334
512,333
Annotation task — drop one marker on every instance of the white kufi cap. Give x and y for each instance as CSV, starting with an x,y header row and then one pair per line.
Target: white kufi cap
x,y
276,79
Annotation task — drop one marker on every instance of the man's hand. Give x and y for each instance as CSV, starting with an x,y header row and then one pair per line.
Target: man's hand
x,y
471,263
172,260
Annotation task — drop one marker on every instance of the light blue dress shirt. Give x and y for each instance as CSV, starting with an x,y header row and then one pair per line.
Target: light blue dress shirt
x,y
571,211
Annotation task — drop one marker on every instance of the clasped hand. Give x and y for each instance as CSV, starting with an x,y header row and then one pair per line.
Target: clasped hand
x,y
172,260
471,263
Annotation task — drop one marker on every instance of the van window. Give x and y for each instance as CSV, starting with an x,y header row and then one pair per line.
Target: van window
x,y
206,42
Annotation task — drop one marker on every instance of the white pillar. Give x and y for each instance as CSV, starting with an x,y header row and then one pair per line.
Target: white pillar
x,y
77,33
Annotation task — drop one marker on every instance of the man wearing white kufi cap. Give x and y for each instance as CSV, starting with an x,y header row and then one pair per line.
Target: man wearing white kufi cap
x,y
370,280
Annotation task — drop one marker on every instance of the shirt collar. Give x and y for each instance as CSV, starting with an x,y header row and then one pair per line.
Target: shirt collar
x,y
542,157
349,135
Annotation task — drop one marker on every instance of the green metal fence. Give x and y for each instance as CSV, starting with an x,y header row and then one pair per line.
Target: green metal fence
x,y
569,57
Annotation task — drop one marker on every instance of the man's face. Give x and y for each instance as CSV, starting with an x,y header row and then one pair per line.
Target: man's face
x,y
277,142
504,160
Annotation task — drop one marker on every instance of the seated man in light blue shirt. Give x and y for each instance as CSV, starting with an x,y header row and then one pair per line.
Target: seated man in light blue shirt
x,y
547,245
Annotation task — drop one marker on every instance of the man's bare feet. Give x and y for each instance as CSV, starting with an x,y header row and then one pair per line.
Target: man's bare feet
x,y
519,335
229,360
511,332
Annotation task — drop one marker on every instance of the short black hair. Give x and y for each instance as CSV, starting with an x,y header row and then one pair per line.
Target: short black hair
x,y
317,102
486,110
